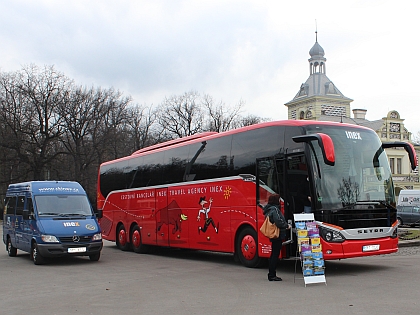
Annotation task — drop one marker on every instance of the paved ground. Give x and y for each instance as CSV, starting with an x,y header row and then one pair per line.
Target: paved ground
x,y
191,282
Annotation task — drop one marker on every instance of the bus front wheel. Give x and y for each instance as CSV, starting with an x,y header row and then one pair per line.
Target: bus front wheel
x,y
136,243
122,238
247,249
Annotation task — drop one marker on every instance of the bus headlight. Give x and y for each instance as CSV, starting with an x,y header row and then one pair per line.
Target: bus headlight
x,y
97,237
49,239
331,235
395,233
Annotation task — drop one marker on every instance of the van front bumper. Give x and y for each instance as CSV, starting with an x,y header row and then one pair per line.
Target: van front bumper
x,y
57,250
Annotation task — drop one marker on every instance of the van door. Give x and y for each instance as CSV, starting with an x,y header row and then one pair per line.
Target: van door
x,y
9,220
21,225
29,225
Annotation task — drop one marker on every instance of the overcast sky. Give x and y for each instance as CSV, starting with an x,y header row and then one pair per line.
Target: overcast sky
x,y
255,51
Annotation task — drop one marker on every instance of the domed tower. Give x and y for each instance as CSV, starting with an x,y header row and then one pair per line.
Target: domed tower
x,y
318,98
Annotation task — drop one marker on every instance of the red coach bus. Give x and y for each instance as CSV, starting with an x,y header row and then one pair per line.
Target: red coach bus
x,y
205,192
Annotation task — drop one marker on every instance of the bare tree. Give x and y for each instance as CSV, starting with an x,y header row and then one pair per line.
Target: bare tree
x,y
32,97
220,117
181,116
141,120
249,120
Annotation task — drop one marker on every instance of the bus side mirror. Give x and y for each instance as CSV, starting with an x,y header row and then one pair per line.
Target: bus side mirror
x,y
408,147
325,143
99,214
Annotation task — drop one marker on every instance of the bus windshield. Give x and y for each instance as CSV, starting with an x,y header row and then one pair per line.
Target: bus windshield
x,y
361,172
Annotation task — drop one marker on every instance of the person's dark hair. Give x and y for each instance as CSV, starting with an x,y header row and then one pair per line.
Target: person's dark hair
x,y
274,200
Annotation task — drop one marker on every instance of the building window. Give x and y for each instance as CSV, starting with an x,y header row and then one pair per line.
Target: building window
x,y
399,162
391,165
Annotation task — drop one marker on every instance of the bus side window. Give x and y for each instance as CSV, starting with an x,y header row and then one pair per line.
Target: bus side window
x,y
20,205
10,205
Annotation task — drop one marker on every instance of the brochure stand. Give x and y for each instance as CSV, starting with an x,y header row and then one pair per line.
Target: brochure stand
x,y
309,249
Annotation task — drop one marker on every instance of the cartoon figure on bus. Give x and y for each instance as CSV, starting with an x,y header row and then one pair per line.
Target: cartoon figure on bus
x,y
206,211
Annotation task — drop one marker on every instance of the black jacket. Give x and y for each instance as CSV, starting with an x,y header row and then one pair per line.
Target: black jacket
x,y
276,217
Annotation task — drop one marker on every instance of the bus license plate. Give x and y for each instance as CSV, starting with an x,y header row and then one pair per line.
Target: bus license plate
x,y
369,248
76,250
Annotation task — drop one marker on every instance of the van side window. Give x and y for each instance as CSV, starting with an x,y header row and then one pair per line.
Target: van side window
x,y
10,205
20,205
30,206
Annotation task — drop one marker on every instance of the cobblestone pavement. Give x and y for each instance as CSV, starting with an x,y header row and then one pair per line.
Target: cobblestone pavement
x,y
408,250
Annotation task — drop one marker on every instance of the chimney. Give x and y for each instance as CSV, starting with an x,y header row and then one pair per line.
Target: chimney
x,y
359,113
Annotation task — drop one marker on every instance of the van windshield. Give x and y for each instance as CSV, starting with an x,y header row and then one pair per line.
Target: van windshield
x,y
63,205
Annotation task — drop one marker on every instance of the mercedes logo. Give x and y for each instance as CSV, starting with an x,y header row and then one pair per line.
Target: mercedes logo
x,y
76,238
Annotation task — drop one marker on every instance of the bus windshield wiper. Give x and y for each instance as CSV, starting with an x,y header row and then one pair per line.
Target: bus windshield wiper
x,y
49,213
361,203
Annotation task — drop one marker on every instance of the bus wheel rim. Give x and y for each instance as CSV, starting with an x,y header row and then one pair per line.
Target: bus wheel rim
x,y
248,247
122,237
136,238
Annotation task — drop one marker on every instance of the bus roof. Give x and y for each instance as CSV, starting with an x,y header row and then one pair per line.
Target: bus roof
x,y
211,135
175,141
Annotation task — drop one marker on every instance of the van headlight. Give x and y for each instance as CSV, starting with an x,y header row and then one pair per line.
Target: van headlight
x,y
97,237
49,239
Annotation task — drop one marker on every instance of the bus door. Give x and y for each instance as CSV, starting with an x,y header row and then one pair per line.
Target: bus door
x,y
162,217
271,180
296,183
145,208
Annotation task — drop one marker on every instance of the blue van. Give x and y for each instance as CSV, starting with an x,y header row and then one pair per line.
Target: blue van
x,y
50,219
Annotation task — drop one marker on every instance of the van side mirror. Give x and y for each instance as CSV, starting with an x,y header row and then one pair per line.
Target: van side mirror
x,y
99,214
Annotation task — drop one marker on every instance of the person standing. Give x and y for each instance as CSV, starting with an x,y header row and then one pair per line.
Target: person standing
x,y
272,210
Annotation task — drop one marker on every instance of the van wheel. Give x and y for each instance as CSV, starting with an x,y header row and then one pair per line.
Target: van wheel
x,y
246,248
400,222
122,238
11,250
136,243
36,256
95,257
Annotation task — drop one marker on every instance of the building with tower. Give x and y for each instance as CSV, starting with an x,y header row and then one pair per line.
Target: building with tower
x,y
319,99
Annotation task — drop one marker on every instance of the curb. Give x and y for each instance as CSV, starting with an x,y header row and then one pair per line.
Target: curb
x,y
409,243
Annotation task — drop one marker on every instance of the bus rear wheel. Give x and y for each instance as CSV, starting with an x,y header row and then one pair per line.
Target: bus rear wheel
x,y
122,238
11,250
136,243
247,249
